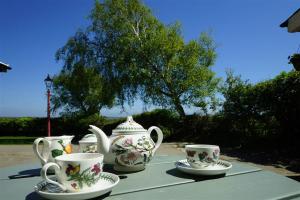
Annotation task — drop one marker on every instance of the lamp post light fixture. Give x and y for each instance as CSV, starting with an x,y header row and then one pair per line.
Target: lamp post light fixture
x,y
48,82
4,67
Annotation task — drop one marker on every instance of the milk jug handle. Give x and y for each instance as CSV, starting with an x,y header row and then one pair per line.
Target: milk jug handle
x,y
159,136
46,146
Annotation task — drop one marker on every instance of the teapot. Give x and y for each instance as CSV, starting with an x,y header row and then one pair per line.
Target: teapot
x,y
130,146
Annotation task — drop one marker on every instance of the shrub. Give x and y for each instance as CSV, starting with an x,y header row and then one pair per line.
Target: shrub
x,y
266,114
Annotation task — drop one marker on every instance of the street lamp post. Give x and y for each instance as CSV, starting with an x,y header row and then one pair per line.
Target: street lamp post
x,y
48,82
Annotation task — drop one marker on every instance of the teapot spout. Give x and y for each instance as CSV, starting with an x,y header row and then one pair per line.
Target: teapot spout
x,y
103,143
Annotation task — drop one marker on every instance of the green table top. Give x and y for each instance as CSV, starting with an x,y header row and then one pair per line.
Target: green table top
x,y
161,180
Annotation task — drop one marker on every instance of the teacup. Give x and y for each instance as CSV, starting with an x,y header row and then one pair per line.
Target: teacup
x,y
77,172
202,155
52,147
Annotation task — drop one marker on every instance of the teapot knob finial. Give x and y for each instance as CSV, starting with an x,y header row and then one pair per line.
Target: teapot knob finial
x,y
130,119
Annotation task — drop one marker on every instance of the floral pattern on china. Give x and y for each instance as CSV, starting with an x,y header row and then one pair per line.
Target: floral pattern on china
x,y
129,147
89,176
130,153
90,149
203,157
64,149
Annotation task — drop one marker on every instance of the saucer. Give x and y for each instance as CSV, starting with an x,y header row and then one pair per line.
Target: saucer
x,y
221,167
50,191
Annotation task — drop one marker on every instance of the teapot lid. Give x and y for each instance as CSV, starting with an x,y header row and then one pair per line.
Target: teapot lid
x,y
128,127
88,138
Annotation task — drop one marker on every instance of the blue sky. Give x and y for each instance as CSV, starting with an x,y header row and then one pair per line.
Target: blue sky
x,y
247,32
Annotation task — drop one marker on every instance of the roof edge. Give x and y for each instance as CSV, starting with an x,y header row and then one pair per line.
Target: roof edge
x,y
286,22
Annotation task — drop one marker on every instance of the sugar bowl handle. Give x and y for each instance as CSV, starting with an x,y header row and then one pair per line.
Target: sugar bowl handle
x,y
46,146
159,136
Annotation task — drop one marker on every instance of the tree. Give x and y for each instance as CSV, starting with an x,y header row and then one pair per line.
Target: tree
x,y
139,55
81,92
236,93
180,74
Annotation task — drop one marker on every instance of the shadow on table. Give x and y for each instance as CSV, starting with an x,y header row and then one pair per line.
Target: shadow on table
x,y
109,168
296,178
179,174
278,159
26,173
35,196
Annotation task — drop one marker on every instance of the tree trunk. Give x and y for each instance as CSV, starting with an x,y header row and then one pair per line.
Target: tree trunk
x,y
179,107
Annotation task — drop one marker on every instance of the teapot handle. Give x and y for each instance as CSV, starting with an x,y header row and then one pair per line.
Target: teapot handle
x,y
159,136
46,147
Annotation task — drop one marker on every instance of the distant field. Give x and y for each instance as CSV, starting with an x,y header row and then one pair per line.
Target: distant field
x,y
16,140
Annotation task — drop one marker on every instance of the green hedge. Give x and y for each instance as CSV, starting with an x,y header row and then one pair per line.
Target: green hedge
x,y
167,120
37,127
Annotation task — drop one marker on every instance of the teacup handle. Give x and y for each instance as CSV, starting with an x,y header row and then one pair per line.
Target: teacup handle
x,y
36,149
159,136
45,177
